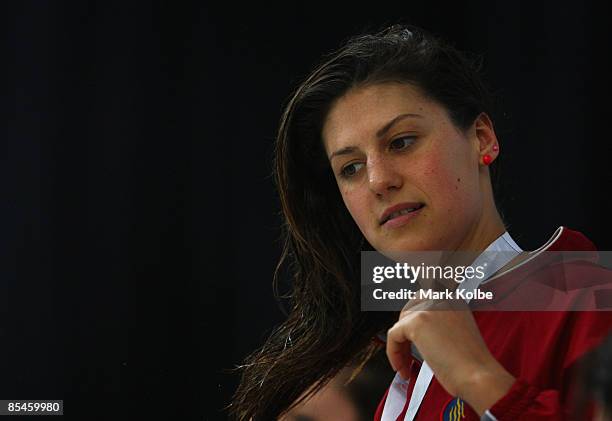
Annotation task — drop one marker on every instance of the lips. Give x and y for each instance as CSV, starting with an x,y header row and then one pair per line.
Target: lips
x,y
399,210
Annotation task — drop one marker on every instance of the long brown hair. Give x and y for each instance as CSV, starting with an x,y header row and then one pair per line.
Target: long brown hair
x,y
325,330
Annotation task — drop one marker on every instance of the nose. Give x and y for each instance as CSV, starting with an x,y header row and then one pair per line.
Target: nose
x,y
383,177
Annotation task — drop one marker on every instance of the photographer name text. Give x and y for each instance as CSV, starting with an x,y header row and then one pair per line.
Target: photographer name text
x,y
431,294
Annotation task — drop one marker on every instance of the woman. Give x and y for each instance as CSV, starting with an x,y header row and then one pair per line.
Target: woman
x,y
387,146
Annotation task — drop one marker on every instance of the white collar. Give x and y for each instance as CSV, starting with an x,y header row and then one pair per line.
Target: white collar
x,y
494,257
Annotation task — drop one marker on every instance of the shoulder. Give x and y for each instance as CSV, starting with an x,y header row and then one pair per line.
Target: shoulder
x,y
566,274
567,239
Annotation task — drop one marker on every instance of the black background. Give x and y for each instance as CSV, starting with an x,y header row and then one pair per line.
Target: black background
x,y
139,225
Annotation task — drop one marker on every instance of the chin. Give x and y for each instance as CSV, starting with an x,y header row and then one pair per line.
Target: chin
x,y
429,243
406,246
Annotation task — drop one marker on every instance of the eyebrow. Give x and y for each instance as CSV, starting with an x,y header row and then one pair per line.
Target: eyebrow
x,y
380,133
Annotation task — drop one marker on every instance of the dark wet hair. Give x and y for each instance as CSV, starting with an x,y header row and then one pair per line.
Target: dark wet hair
x,y
325,330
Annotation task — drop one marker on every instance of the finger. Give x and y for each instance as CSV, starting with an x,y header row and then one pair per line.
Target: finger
x,y
405,372
398,348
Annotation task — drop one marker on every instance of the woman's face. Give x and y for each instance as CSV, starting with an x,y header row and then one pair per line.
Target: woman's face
x,y
410,179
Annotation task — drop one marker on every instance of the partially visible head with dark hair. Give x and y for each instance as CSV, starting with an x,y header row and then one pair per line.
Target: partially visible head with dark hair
x,y
326,330
596,380
348,398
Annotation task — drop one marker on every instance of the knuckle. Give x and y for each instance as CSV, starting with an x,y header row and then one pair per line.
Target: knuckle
x,y
421,319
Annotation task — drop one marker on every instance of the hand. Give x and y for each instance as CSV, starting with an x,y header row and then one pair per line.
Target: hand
x,y
447,337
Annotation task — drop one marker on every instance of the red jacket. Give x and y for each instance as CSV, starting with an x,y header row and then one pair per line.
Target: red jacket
x,y
539,348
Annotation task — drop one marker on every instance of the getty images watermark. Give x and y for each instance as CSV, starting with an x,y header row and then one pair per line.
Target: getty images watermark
x,y
429,274
490,281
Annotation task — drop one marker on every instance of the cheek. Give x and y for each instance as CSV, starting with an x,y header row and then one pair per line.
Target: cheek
x,y
451,187
356,203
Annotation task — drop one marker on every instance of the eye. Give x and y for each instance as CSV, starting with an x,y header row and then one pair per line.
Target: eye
x,y
349,170
402,142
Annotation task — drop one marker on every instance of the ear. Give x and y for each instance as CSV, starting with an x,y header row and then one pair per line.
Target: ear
x,y
486,138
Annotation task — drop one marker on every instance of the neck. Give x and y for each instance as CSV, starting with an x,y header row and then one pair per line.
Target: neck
x,y
488,227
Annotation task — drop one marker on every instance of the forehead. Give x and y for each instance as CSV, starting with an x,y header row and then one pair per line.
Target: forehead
x,y
363,110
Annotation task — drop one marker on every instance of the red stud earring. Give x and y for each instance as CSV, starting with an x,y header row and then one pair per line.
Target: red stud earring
x,y
487,159
495,148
